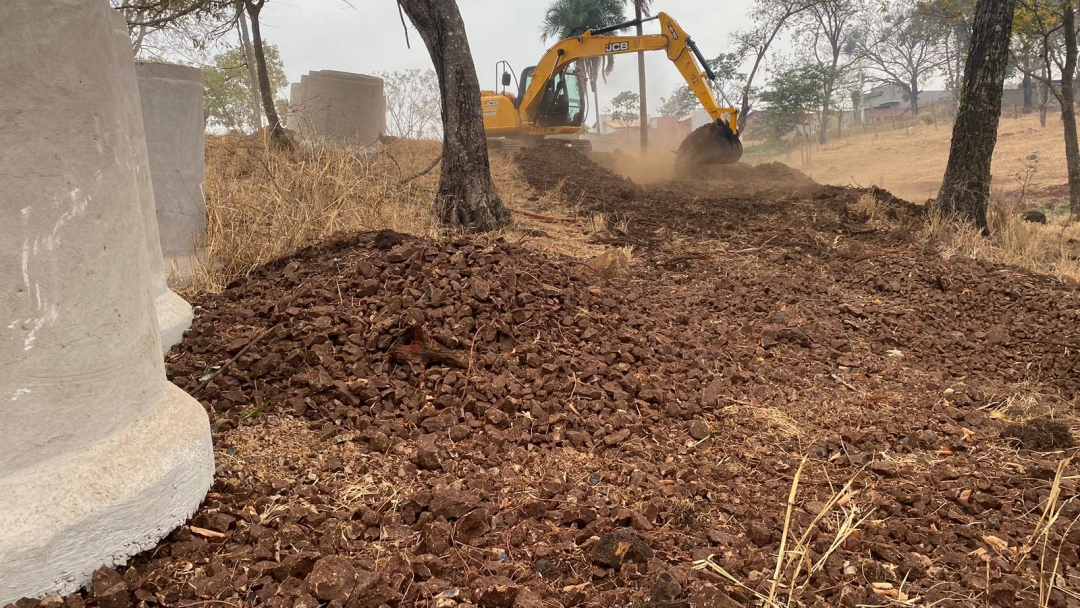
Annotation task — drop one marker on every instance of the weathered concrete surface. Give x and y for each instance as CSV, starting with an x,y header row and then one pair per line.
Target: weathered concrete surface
x,y
174,315
296,101
100,456
344,108
172,109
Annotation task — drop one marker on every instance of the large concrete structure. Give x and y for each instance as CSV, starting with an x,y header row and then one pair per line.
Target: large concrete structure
x,y
100,456
344,108
172,109
174,315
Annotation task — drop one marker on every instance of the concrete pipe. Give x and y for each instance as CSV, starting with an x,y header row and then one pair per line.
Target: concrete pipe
x,y
100,456
296,102
172,110
344,108
174,315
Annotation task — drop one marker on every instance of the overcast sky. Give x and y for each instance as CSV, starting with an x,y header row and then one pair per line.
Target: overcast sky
x,y
330,35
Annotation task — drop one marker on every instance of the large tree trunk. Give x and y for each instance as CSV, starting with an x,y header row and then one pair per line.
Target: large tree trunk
x,y
1068,107
467,197
644,104
277,132
965,190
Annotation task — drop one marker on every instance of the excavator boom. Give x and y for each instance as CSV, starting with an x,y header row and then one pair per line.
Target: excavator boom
x,y
680,49
717,143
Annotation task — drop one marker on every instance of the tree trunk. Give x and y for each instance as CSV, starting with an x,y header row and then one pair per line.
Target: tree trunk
x,y
1044,93
1029,97
965,189
1068,107
245,39
823,132
596,103
644,107
277,132
914,94
467,197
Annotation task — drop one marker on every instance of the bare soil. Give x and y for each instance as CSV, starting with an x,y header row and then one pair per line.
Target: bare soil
x,y
469,422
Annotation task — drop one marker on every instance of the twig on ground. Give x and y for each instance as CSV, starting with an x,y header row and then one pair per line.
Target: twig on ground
x,y
225,366
420,174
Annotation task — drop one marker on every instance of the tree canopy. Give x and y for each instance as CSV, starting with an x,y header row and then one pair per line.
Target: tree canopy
x,y
792,96
228,88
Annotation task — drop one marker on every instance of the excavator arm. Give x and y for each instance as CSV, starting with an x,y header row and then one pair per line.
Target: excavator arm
x,y
680,49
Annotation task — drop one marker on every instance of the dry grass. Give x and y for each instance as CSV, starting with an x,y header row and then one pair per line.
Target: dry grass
x,y
264,204
841,516
1047,249
910,162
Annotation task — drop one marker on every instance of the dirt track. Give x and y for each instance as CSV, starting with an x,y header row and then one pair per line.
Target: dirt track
x,y
582,442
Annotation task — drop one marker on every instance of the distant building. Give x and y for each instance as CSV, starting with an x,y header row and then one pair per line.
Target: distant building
x,y
888,102
1013,97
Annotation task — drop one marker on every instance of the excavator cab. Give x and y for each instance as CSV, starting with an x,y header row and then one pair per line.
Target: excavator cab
x,y
562,103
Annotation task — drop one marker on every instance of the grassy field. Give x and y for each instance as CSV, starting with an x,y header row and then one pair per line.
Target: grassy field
x,y
910,162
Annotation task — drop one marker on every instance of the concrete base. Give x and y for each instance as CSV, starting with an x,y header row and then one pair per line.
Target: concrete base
x,y
174,318
180,269
104,504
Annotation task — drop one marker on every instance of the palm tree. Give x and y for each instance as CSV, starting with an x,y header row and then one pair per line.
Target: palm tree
x,y
566,18
641,9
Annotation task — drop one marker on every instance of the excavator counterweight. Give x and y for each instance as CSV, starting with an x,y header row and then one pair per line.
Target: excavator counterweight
x,y
551,104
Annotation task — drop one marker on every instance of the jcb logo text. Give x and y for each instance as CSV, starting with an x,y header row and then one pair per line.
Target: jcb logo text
x,y
615,47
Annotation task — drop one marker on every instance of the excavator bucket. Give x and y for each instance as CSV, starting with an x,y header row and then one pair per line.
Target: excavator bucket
x,y
712,144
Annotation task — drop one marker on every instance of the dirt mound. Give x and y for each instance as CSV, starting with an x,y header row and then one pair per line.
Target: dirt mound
x,y
413,423
548,166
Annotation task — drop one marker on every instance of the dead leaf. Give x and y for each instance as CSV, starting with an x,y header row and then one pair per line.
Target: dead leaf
x,y
965,496
980,553
846,498
203,532
996,543
884,590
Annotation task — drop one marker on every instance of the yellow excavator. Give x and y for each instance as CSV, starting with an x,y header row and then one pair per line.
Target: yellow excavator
x,y
551,103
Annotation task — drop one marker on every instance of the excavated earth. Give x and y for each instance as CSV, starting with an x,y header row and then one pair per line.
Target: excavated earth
x,y
405,422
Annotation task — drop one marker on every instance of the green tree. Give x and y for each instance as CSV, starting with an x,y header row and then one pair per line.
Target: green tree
x,y
1049,27
826,35
793,96
145,16
624,107
228,88
565,18
728,85
160,26
769,18
900,47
